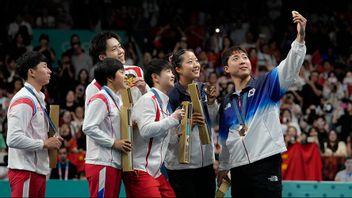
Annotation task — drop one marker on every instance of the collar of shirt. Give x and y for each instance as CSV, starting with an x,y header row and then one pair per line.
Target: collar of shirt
x,y
249,86
39,95
164,98
181,89
116,96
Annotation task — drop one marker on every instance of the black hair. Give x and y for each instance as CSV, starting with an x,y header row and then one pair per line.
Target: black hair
x,y
227,53
44,37
155,67
28,60
98,44
107,69
72,37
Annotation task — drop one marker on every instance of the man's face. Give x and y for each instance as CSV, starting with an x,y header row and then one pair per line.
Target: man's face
x,y
115,50
348,165
41,73
63,154
238,65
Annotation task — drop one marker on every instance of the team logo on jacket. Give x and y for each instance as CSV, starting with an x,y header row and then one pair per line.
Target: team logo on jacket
x,y
227,106
251,92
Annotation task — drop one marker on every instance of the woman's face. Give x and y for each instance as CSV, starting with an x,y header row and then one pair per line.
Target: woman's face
x,y
83,75
332,136
70,97
190,67
64,130
67,117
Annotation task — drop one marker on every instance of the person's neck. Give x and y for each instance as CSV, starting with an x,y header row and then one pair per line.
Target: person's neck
x,y
160,88
112,88
36,86
63,161
185,82
241,83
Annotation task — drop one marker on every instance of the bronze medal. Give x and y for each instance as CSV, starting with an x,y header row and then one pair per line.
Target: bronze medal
x,y
242,130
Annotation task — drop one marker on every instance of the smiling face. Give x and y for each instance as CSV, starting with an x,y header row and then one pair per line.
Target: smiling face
x,y
115,50
238,65
118,82
190,67
166,79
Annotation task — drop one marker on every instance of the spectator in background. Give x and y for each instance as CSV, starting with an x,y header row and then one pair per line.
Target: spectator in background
x,y
78,117
147,57
66,74
15,27
45,19
287,120
45,49
64,170
346,174
289,103
63,19
291,136
322,128
73,40
79,95
312,91
83,78
347,84
312,136
10,71
80,59
17,84
349,146
333,146
333,90
70,103
18,47
343,117
69,139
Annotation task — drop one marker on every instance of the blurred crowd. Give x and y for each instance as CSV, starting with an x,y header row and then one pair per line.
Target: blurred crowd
x,y
317,109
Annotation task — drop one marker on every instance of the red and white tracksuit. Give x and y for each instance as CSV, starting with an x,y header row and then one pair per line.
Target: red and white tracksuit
x,y
28,162
102,127
150,144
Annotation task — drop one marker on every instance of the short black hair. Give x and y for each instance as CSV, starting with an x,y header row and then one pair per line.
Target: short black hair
x,y
155,67
28,60
44,37
227,53
98,44
107,69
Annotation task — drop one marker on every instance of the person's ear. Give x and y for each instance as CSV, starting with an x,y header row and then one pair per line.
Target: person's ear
x,y
178,70
226,69
30,72
155,77
101,57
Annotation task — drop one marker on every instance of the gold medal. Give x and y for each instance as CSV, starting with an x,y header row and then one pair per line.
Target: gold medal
x,y
242,130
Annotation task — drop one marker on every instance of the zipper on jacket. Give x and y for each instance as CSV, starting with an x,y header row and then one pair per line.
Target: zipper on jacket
x,y
201,150
245,149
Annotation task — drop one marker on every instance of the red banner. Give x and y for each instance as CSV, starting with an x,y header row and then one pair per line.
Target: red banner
x,y
302,162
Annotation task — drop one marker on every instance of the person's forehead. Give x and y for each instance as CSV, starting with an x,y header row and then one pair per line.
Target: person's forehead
x,y
189,55
42,64
112,42
238,53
